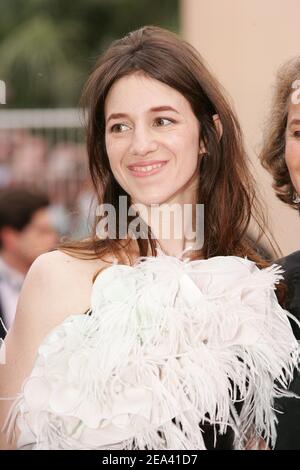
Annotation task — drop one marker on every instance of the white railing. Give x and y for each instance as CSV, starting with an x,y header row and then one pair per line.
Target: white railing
x,y
41,118
2,92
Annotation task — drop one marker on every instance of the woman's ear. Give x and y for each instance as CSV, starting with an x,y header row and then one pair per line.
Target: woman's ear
x,y
219,129
218,125
202,148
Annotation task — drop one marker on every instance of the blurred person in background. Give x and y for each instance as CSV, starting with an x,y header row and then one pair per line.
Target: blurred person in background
x,y
66,169
66,178
26,231
6,146
281,157
28,158
84,213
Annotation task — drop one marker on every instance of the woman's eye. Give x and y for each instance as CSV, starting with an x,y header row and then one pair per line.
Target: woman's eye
x,y
163,122
118,128
296,134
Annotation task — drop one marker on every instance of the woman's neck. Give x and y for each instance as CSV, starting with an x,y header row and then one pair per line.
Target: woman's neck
x,y
172,225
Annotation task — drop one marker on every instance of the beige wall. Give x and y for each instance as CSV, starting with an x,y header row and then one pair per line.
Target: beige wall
x,y
244,42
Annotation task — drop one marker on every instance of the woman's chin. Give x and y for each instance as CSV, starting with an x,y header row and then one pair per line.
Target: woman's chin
x,y
153,199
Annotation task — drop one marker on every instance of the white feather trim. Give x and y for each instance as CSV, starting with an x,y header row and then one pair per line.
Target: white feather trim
x,y
170,345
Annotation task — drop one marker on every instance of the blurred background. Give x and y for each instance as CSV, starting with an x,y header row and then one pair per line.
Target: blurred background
x,y
47,49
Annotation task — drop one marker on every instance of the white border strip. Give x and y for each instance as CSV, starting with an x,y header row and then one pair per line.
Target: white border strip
x,y
2,92
41,118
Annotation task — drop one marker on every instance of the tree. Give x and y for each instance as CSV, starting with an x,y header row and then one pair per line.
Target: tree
x,y
47,47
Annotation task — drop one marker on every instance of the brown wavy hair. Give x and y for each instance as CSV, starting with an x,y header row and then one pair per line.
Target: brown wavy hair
x,y
273,152
226,186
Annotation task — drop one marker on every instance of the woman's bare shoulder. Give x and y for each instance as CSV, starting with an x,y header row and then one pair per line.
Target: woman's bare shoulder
x,y
56,286
65,280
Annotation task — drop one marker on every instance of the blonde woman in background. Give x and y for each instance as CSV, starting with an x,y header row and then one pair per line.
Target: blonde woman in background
x,y
281,156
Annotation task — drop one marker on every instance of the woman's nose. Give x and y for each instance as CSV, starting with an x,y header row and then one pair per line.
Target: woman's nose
x,y
143,142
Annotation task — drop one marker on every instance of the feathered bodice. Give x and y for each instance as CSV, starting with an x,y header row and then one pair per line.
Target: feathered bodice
x,y
169,346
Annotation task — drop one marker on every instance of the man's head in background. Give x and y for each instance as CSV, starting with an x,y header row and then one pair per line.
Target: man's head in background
x,y
26,227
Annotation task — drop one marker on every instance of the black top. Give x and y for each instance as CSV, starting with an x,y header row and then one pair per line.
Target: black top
x,y
289,422
291,265
2,330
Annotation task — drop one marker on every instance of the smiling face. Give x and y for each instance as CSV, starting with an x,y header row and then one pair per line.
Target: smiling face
x,y
152,141
292,146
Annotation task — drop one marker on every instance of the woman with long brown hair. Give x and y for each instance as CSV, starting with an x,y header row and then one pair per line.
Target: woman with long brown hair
x,y
281,157
171,347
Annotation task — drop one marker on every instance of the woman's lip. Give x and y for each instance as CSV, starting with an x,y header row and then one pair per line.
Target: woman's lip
x,y
148,163
147,173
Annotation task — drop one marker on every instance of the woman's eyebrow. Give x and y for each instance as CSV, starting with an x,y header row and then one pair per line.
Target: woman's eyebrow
x,y
152,110
117,116
163,108
294,121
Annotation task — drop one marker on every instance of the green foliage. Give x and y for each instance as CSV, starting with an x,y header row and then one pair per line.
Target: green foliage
x,y
47,47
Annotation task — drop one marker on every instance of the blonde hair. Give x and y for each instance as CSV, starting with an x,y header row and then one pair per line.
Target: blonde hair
x,y
272,154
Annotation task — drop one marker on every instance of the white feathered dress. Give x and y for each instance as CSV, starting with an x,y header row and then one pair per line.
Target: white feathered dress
x,y
169,345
